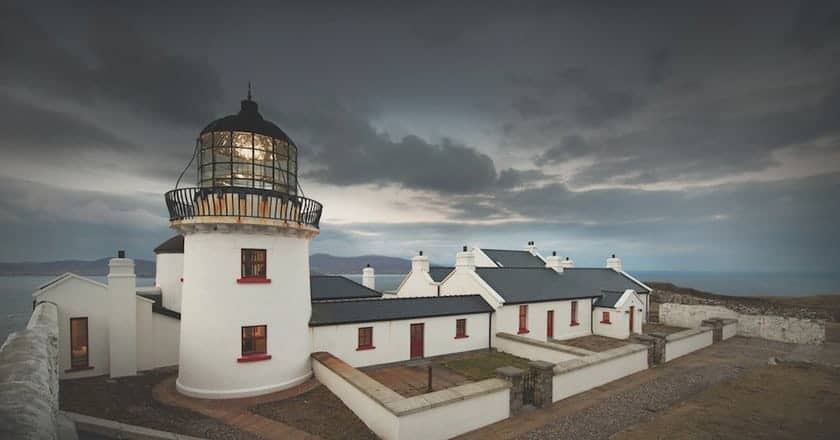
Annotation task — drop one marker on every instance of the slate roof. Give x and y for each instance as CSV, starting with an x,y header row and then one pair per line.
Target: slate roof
x,y
510,258
333,287
174,245
524,285
388,309
607,299
439,273
158,307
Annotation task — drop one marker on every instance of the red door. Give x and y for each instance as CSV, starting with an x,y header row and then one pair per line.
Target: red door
x,y
416,341
549,326
631,319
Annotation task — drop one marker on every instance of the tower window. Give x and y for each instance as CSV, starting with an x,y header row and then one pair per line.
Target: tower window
x,y
254,343
79,358
253,266
365,338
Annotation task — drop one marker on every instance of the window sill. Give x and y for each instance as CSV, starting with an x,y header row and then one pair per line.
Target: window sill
x,y
74,369
522,331
253,280
365,347
254,358
462,337
574,324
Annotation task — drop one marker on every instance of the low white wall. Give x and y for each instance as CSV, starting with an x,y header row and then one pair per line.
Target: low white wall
x,y
578,375
776,328
729,330
531,349
685,342
456,418
392,339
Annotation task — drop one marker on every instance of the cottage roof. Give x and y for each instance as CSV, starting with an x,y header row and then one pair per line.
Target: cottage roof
x,y
390,309
174,245
608,299
333,287
439,273
512,258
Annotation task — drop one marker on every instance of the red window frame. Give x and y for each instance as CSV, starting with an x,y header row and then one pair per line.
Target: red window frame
x,y
253,266
79,344
365,339
574,314
523,319
461,328
254,343
605,318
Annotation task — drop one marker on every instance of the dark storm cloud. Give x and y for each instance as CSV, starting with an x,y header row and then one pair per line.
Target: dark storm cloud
x,y
570,147
817,23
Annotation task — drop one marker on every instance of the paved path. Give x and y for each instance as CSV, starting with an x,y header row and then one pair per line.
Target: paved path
x,y
606,410
235,412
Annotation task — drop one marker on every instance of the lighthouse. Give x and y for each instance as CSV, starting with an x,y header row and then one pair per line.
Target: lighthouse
x,y
245,289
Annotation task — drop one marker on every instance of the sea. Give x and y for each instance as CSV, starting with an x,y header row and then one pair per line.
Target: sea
x,y
16,291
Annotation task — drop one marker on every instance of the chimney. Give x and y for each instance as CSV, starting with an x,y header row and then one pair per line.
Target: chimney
x,y
554,262
369,277
420,263
465,259
532,247
567,263
614,263
122,316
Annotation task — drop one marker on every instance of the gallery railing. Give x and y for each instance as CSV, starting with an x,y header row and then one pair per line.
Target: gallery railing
x,y
187,203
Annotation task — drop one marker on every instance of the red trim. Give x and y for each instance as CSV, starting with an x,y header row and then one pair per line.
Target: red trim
x,y
462,337
254,358
253,280
522,331
605,318
365,347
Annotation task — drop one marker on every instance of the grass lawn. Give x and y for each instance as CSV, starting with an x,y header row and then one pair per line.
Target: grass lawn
x,y
483,365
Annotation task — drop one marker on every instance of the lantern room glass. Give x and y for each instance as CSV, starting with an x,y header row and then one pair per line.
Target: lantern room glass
x,y
249,160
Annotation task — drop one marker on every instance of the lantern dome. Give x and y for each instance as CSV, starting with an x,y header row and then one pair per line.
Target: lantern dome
x,y
247,151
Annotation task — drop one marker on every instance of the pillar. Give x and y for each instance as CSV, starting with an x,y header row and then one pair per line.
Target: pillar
x,y
543,373
515,376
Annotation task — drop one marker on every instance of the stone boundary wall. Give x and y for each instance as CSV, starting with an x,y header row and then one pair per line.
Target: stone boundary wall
x,y
536,350
687,341
29,378
438,415
582,374
775,328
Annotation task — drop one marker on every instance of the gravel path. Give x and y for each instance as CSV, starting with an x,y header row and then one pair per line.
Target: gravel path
x,y
678,381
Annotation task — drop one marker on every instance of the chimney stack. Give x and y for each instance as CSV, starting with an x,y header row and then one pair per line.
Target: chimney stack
x,y
420,263
554,262
369,277
567,263
122,316
465,259
614,263
532,247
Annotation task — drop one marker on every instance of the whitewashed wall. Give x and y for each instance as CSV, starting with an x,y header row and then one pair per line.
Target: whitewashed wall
x,y
507,319
618,328
78,297
417,283
482,260
645,298
579,375
729,330
687,341
457,417
392,339
157,338
467,282
530,349
169,269
776,328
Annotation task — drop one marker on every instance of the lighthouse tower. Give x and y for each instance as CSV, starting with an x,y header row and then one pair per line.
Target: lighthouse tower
x,y
245,294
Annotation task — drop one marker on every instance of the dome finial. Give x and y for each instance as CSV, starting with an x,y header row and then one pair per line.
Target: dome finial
x,y
249,90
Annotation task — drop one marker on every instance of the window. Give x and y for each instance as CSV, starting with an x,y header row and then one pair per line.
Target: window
x,y
549,324
574,314
460,328
605,318
79,343
523,319
365,338
253,266
254,343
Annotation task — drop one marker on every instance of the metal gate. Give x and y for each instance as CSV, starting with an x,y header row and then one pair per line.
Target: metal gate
x,y
528,383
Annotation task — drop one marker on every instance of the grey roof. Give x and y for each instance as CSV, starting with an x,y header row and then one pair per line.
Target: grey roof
x,y
387,309
607,299
332,287
174,245
439,273
510,258
158,307
523,285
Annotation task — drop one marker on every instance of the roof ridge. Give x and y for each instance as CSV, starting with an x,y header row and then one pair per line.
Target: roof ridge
x,y
404,298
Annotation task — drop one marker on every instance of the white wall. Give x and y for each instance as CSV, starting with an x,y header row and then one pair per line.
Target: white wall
x,y
80,298
507,319
685,342
482,260
533,350
392,339
467,282
215,307
571,378
645,298
122,315
169,269
729,330
456,418
618,328
157,338
417,283
145,342
776,328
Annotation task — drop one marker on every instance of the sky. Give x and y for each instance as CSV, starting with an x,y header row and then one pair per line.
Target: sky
x,y
678,135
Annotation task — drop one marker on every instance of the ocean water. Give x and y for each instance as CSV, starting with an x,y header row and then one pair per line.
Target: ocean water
x,y
16,292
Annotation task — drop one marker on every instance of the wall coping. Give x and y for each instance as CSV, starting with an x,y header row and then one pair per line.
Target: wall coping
x,y
547,345
115,429
687,334
597,358
397,404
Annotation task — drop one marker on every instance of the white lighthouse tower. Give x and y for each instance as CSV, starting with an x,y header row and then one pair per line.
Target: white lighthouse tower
x,y
245,297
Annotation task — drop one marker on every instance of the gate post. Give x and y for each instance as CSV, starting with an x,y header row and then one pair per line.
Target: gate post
x,y
514,376
543,374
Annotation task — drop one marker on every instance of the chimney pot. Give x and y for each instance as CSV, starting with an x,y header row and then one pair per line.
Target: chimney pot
x,y
120,253
553,253
464,248
421,253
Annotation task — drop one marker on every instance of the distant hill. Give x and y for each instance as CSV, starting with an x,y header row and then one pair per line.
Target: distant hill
x,y
319,263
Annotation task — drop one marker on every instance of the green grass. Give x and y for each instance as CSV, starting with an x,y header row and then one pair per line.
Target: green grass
x,y
483,366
